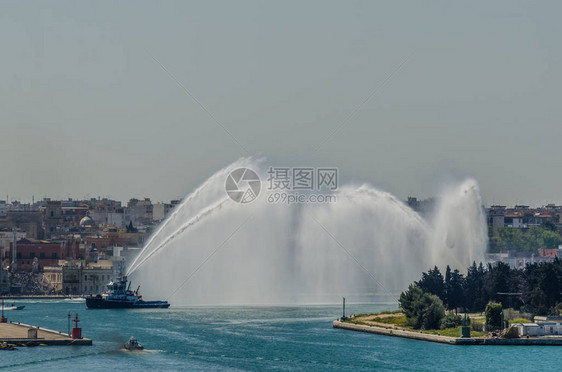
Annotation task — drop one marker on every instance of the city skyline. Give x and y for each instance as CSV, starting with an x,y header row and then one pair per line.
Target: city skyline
x,y
244,185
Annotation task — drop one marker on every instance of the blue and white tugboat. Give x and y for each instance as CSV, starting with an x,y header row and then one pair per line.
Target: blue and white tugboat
x,y
119,296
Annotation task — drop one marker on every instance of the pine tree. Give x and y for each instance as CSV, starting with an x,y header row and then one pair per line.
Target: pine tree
x,y
432,282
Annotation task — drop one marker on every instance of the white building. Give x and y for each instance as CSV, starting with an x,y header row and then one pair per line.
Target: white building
x,y
539,329
528,329
104,218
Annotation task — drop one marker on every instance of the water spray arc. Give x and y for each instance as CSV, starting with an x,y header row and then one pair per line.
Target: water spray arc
x,y
293,254
150,249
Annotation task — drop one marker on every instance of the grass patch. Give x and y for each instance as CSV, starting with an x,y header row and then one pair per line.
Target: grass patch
x,y
452,332
391,312
394,320
397,318
519,321
362,315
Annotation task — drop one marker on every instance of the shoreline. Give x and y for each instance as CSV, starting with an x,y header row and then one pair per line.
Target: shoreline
x,y
537,341
38,297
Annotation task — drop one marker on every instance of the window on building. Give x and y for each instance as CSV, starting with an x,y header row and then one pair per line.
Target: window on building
x,y
52,213
31,254
85,277
54,255
42,255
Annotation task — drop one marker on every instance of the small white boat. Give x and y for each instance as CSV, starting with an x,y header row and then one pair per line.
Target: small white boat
x,y
14,307
133,344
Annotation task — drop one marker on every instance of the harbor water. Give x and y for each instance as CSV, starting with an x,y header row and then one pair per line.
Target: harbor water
x,y
247,338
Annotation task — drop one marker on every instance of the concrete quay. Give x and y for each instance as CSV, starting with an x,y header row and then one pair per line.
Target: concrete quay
x,y
20,334
542,341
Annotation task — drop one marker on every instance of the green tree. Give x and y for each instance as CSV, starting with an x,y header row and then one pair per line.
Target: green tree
x,y
434,312
497,244
493,316
432,282
447,285
539,301
513,239
410,303
455,294
473,286
497,279
421,309
550,239
549,225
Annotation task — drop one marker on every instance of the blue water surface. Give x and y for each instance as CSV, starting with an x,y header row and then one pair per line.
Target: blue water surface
x,y
248,339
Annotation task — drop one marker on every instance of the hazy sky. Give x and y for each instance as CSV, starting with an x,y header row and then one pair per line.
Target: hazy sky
x,y
422,93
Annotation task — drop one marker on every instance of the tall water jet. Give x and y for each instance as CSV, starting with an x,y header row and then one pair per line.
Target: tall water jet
x,y
212,250
459,226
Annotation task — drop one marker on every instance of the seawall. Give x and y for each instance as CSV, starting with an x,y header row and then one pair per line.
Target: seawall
x,y
542,341
18,334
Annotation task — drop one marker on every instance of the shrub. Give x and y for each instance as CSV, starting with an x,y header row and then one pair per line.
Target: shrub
x,y
477,327
409,303
434,312
451,321
493,316
421,309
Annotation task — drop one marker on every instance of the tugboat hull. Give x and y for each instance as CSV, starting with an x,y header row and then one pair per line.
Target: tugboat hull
x,y
101,303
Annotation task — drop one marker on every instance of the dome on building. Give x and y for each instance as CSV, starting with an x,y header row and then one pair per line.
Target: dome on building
x,y
87,221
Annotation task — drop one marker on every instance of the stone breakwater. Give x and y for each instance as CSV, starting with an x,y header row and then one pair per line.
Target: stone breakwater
x,y
19,334
545,341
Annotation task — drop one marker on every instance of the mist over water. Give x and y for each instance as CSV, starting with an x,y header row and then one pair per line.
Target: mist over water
x,y
212,250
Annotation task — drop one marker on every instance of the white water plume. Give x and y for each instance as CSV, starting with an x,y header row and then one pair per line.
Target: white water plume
x,y
212,250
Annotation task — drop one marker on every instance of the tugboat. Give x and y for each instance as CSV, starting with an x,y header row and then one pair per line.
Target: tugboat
x,y
119,296
133,344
